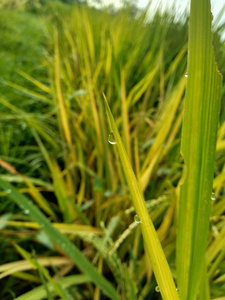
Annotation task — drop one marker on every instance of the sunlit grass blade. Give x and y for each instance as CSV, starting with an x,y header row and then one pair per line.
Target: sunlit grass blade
x,y
62,241
74,229
199,133
151,240
24,265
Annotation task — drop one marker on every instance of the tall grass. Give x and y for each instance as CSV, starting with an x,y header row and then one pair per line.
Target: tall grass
x,y
201,116
55,152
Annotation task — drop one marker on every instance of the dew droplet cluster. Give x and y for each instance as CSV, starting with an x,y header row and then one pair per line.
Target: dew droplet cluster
x,y
213,197
157,289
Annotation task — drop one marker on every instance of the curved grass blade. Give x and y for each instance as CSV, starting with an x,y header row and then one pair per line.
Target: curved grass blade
x,y
40,292
62,241
151,240
202,105
74,229
24,265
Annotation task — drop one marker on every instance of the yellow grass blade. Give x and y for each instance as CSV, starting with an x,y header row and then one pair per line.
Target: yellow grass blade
x,y
151,240
36,82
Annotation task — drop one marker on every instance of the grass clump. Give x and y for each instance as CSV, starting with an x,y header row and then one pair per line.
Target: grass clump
x,y
58,164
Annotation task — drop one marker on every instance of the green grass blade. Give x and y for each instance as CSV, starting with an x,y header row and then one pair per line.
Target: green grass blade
x,y
202,106
151,240
204,286
62,241
40,292
44,273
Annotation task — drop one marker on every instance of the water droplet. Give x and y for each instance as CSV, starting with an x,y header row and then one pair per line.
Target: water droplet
x,y
8,191
157,289
213,197
111,138
26,211
186,75
177,289
137,219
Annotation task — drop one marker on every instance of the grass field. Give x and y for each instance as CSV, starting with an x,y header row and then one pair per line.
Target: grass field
x,y
69,228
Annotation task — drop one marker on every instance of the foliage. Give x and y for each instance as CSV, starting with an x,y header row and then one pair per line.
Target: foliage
x,y
54,147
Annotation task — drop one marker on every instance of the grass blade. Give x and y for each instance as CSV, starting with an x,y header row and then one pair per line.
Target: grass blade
x,y
24,265
40,292
202,106
36,82
151,240
62,241
74,229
